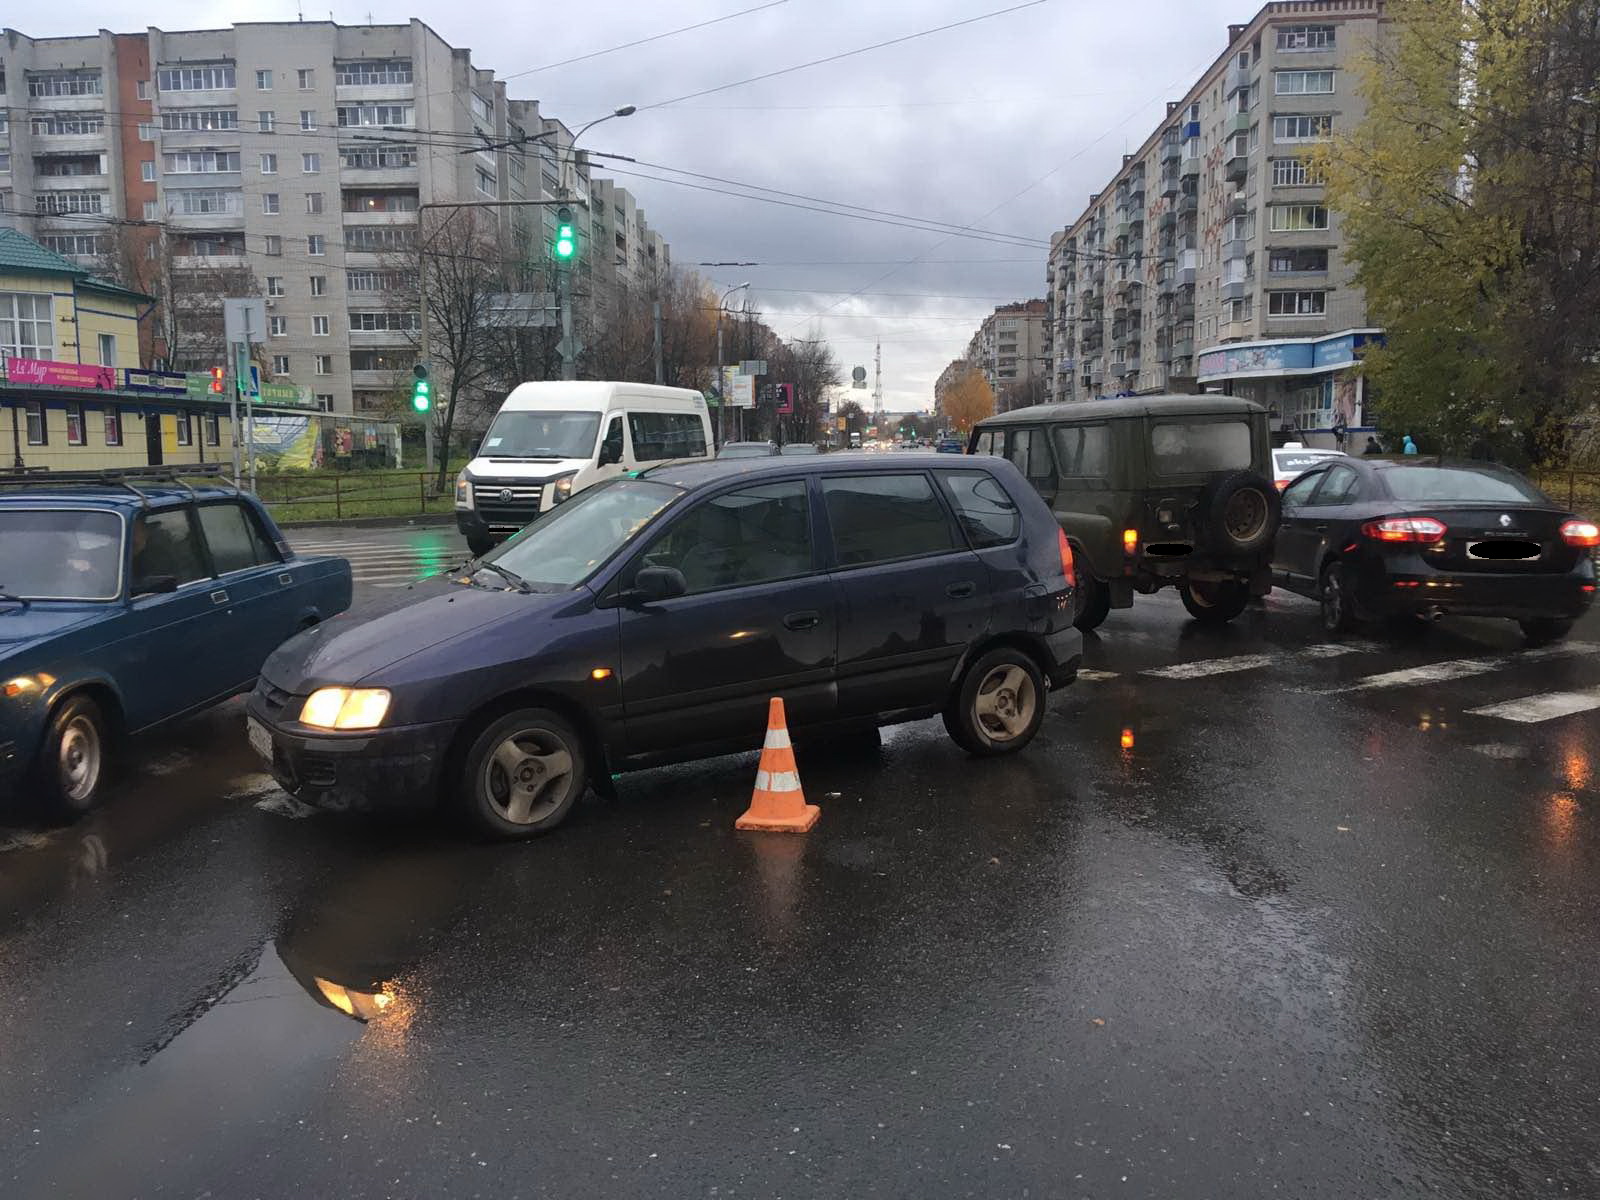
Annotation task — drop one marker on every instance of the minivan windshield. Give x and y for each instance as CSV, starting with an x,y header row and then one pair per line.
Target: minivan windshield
x,y
60,554
541,434
565,546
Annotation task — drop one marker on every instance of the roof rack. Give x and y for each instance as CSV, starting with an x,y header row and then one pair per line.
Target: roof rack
x,y
126,478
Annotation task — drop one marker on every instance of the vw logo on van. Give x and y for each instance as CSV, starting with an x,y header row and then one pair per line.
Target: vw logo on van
x,y
507,495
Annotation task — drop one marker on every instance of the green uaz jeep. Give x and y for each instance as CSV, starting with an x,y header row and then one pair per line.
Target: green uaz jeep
x,y
1153,492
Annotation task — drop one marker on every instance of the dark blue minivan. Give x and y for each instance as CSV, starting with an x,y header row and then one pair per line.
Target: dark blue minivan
x,y
650,618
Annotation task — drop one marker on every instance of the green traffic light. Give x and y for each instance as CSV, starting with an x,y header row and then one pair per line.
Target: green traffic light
x,y
566,242
421,398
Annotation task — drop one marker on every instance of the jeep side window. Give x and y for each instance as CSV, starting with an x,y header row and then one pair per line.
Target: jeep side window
x,y
1084,451
986,441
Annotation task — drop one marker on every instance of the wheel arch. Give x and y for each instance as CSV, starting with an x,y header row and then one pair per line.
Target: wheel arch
x,y
1030,645
493,709
103,694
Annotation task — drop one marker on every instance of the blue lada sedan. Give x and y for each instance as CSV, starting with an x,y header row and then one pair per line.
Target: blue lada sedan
x,y
649,619
128,600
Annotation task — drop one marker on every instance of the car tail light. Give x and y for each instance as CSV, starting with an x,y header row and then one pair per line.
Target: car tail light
x,y
1405,529
1581,533
1283,484
1130,541
1068,568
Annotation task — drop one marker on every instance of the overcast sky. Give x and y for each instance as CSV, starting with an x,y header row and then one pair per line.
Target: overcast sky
x,y
1012,121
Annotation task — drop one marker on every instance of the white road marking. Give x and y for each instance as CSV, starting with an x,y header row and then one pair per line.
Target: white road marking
x,y
1093,676
1213,666
1457,668
286,806
1546,706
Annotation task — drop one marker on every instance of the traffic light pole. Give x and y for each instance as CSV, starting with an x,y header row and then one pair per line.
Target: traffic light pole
x,y
569,358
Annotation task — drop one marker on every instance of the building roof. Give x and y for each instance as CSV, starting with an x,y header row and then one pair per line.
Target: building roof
x,y
20,253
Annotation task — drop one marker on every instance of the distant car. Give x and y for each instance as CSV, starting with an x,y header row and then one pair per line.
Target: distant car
x,y
1293,459
747,450
951,445
1374,539
799,449
127,600
864,592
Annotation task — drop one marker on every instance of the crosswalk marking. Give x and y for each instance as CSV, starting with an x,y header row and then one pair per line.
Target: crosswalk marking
x,y
1456,668
1201,668
1089,675
1547,706
388,564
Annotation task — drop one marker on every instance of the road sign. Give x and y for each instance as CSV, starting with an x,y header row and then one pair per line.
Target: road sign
x,y
744,392
244,320
569,347
522,310
253,386
753,366
858,377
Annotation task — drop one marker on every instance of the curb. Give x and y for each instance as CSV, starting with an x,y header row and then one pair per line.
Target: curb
x,y
420,519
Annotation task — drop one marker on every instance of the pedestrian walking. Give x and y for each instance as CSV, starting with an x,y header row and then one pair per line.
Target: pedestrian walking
x,y
1340,430
1407,446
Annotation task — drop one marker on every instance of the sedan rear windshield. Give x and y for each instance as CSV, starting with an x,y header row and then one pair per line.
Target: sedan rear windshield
x,y
566,545
1460,484
1196,447
542,434
60,554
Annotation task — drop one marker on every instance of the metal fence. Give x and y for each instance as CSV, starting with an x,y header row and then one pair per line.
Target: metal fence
x,y
1578,490
336,495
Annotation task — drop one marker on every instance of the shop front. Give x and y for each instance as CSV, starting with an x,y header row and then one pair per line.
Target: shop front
x,y
1308,384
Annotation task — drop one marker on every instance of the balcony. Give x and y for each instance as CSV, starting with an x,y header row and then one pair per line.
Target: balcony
x,y
1171,182
1236,204
1234,248
1167,221
1188,203
1238,123
1190,168
1163,353
1171,152
1236,167
68,183
206,262
1238,78
1119,368
1183,348
1166,286
1237,289
1233,331
1188,260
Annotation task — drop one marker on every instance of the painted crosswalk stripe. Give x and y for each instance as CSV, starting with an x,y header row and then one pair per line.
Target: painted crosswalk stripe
x,y
1457,668
1202,668
1546,706
1089,675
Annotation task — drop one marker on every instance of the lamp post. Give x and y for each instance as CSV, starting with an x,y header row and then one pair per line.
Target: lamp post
x,y
722,408
569,357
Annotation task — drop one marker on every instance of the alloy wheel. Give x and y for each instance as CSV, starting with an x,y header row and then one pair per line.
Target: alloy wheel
x,y
1005,703
528,775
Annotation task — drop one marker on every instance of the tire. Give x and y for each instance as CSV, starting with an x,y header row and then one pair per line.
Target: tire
x,y
532,740
70,773
1542,630
1214,603
1238,514
1095,604
480,546
1337,600
998,704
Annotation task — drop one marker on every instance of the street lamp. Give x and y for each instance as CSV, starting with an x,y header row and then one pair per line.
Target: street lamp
x,y
722,408
627,110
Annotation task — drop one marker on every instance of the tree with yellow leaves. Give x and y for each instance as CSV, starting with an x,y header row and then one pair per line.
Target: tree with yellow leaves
x,y
968,401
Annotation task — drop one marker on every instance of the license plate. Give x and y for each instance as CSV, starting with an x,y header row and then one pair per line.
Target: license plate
x,y
260,739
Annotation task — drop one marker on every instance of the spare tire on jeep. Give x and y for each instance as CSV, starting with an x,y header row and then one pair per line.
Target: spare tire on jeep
x,y
1238,514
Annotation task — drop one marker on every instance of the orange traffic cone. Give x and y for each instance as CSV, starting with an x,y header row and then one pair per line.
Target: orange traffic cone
x,y
778,804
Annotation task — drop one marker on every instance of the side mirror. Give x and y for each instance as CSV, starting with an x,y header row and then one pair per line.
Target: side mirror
x,y
610,452
477,445
154,585
658,583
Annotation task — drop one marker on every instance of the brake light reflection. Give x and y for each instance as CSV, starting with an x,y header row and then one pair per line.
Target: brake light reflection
x,y
1581,533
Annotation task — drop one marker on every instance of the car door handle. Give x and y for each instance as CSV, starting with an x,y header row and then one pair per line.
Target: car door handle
x,y
802,620
961,590
220,596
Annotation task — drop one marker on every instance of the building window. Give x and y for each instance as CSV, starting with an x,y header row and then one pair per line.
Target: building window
x,y
113,426
378,239
314,203
74,244
152,210
280,365
69,202
308,119
370,158
485,182
384,322
1294,218
277,326
310,164
185,430
324,364
1297,304
481,108
204,202
213,429
275,285
1292,38
1294,172
76,123
269,164
307,78
108,349
325,401
147,171
1309,258
27,326
263,81
367,73
273,245
266,121
64,83
195,79
38,434
1312,127
74,424
319,326
202,162
402,115
202,120
142,89
1302,83
319,285
370,281
316,245
269,203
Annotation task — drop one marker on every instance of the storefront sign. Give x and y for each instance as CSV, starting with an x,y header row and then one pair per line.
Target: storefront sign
x,y
199,388
1309,356
173,383
61,374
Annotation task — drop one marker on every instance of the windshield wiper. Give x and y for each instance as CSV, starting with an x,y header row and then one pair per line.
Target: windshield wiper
x,y
511,577
22,600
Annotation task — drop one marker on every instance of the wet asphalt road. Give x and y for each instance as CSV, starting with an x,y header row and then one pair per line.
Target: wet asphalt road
x,y
1292,940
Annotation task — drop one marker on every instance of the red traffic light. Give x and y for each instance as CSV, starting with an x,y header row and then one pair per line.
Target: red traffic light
x,y
216,380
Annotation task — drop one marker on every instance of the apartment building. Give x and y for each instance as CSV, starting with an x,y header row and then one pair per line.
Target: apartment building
x,y
1210,260
1009,349
292,160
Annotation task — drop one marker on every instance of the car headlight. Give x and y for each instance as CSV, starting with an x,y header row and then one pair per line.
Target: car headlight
x,y
563,488
345,708
463,491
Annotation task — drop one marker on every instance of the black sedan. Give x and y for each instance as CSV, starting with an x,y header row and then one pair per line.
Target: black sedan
x,y
1414,541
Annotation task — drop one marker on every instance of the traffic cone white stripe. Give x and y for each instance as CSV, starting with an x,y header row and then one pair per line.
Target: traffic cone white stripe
x,y
778,781
777,739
